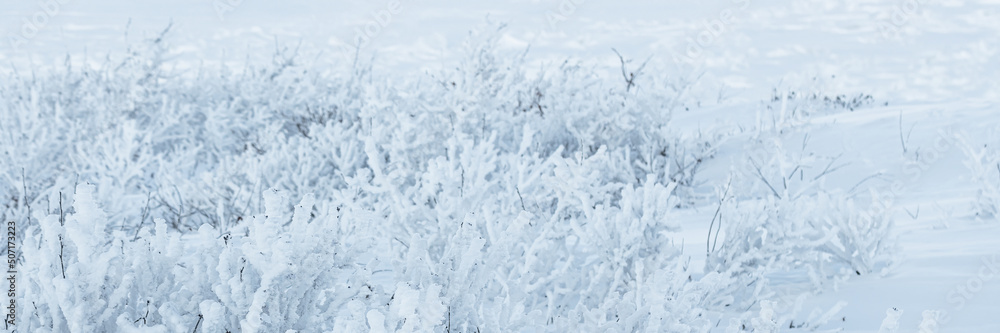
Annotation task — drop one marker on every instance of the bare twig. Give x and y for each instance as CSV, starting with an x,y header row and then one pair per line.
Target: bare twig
x,y
828,169
520,197
401,242
143,219
718,210
764,179
62,222
630,76
864,180
180,206
901,141
62,217
791,174
62,263
200,317
24,187
143,318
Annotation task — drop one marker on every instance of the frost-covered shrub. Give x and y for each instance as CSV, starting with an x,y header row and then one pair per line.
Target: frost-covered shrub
x,y
891,322
799,99
984,165
474,199
575,245
287,271
820,235
311,266
198,148
786,223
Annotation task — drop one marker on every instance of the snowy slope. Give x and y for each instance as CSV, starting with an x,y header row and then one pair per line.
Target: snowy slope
x,y
928,50
948,258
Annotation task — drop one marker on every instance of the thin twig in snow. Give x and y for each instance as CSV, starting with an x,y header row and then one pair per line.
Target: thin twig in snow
x,y
722,199
24,187
62,222
62,263
141,221
630,76
761,175
62,217
864,180
901,141
520,197
790,174
828,169
200,317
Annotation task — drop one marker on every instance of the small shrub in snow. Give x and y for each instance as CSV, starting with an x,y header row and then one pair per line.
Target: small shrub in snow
x,y
791,224
891,322
929,321
984,164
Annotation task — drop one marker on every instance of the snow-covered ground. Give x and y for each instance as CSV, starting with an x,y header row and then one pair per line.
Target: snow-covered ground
x,y
948,256
917,83
899,50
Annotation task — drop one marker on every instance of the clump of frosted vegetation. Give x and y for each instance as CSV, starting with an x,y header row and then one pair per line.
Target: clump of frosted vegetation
x,y
983,162
476,199
783,224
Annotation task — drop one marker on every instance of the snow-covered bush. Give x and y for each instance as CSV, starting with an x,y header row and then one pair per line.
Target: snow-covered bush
x,y
313,268
783,222
480,198
891,322
983,161
821,235
272,278
197,148
800,99
473,199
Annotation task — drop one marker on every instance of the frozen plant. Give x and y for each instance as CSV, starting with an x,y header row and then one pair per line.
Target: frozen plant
x,y
984,165
783,221
891,322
